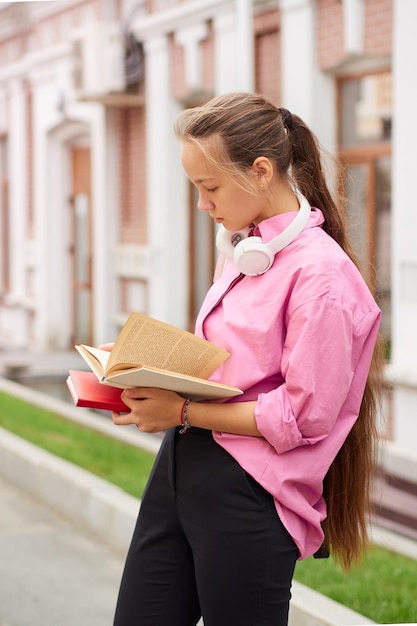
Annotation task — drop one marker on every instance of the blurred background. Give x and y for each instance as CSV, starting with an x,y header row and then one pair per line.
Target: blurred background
x,y
96,215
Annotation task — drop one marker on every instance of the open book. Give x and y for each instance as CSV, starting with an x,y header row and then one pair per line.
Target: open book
x,y
150,353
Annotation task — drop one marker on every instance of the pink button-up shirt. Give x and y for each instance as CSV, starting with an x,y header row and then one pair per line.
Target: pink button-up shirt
x,y
301,338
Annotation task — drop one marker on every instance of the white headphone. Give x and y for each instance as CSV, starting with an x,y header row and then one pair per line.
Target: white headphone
x,y
250,255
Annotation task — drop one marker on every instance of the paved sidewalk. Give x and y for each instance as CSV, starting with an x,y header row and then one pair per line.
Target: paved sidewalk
x,y
52,572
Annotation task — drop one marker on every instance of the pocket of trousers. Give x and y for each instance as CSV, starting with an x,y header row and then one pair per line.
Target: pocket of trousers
x,y
259,493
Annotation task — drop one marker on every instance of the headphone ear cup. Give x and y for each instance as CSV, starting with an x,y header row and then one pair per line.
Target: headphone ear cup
x,y
227,241
249,254
252,257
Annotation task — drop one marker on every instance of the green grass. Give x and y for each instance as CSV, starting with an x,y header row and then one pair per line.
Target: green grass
x,y
119,463
382,588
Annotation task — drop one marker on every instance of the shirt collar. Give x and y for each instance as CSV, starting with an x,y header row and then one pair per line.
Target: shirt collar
x,y
273,226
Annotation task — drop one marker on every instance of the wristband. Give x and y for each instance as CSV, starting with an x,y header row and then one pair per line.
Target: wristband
x,y
185,425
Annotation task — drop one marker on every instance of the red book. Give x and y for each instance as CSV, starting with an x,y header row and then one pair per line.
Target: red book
x,y
87,391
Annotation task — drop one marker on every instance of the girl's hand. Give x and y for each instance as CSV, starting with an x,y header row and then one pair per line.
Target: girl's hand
x,y
152,410
106,346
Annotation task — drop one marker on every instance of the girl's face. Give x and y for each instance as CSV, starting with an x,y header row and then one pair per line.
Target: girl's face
x,y
225,201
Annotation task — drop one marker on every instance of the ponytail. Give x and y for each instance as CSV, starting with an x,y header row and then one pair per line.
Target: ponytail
x,y
348,482
308,175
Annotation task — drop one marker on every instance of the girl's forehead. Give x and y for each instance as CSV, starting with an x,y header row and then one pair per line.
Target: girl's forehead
x,y
196,163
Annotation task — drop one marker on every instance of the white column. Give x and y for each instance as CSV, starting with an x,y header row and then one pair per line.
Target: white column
x,y
245,34
225,53
47,255
306,90
17,207
298,57
53,129
234,49
353,26
166,193
190,39
402,371
17,186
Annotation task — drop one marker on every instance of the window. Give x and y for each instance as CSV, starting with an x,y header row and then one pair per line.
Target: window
x,y
366,110
365,150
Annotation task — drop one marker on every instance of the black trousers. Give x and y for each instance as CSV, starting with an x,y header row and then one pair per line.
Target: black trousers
x,y
208,542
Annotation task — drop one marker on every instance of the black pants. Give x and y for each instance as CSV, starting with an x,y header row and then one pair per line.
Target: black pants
x,y
208,542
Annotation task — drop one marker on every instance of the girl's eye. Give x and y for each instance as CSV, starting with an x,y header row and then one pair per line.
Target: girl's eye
x,y
212,189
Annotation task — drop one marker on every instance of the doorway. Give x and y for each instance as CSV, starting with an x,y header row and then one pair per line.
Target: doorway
x,y
81,244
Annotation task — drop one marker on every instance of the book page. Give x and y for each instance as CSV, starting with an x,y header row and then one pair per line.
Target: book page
x,y
96,358
149,342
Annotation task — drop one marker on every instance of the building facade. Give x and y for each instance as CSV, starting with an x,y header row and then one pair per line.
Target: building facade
x,y
96,216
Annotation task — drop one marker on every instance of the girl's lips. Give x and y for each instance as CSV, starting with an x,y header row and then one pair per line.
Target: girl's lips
x,y
218,220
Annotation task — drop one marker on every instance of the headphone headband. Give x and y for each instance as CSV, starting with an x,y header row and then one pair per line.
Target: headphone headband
x,y
250,255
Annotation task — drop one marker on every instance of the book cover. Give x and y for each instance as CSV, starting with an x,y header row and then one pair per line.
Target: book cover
x,y
87,391
186,386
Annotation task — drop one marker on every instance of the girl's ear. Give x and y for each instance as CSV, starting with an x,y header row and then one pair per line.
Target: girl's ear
x,y
263,171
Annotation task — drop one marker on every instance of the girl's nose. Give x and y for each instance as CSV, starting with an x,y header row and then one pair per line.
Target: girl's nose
x,y
204,203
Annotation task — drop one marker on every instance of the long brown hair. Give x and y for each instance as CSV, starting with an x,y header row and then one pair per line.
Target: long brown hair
x,y
348,483
233,130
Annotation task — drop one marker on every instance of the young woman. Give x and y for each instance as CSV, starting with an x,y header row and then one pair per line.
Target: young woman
x,y
243,488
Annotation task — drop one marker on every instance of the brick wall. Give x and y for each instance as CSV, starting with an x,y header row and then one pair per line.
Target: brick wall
x,y
177,73
267,55
208,61
378,27
267,59
132,175
179,88
329,28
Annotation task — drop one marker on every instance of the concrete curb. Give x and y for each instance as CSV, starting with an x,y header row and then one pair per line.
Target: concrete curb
x,y
309,608
80,496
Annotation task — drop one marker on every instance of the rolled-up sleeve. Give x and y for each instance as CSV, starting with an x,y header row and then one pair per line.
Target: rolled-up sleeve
x,y
321,350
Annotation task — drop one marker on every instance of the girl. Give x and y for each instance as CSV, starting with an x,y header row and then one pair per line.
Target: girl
x,y
243,488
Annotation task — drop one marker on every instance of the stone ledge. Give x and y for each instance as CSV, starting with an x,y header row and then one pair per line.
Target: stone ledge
x,y
401,376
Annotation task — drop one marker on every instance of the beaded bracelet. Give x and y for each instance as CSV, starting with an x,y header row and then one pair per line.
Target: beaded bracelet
x,y
184,419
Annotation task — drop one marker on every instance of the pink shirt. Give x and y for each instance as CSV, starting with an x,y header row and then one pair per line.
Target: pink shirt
x,y
301,338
